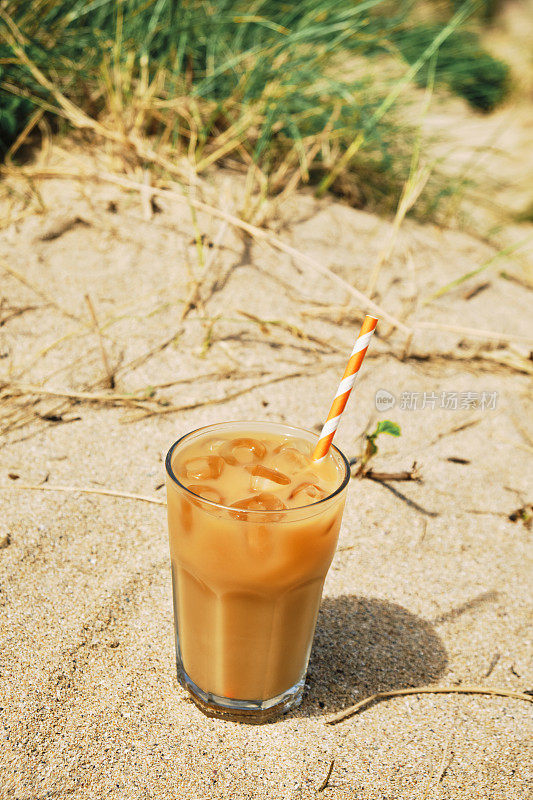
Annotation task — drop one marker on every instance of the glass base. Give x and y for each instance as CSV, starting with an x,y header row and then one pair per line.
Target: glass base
x,y
253,712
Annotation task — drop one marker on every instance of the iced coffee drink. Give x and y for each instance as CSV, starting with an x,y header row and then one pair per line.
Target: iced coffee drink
x,y
253,526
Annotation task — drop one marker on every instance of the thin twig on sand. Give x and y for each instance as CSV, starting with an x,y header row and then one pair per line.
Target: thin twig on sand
x,y
252,230
11,312
61,227
443,766
359,470
496,692
480,287
86,490
328,776
494,661
412,474
454,429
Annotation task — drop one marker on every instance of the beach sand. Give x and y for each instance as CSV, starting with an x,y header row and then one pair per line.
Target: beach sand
x,y
431,581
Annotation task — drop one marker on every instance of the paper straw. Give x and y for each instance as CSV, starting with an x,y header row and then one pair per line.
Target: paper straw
x,y
345,387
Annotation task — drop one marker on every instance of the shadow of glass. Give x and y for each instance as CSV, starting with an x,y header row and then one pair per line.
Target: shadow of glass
x,y
363,645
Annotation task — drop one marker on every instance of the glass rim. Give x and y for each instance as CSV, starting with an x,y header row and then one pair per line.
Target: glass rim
x,y
250,513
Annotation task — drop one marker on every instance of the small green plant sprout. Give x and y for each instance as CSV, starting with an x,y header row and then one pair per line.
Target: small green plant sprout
x,y
371,448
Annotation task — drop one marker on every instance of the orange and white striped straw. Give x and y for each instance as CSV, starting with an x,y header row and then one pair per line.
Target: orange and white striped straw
x,y
345,387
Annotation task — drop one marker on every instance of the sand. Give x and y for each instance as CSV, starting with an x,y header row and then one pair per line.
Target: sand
x,y
431,580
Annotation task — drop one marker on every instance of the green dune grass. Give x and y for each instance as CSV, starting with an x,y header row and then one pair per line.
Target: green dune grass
x,y
265,83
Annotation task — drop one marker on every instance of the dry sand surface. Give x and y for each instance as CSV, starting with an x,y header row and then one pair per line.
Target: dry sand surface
x,y
430,581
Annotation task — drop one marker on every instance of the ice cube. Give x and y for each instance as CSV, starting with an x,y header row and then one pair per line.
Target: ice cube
x,y
203,467
264,501
306,448
290,459
243,451
308,492
207,493
186,515
260,540
265,478
214,446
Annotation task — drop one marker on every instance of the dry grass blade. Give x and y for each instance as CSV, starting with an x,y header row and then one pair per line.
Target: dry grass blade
x,y
294,330
79,119
341,164
211,401
19,390
37,290
23,135
81,331
251,230
146,407
521,280
514,361
506,251
274,241
218,241
146,196
482,334
305,159
458,18
15,422
110,378
206,376
333,312
498,358
349,712
87,490
411,192
136,362
412,189
233,139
